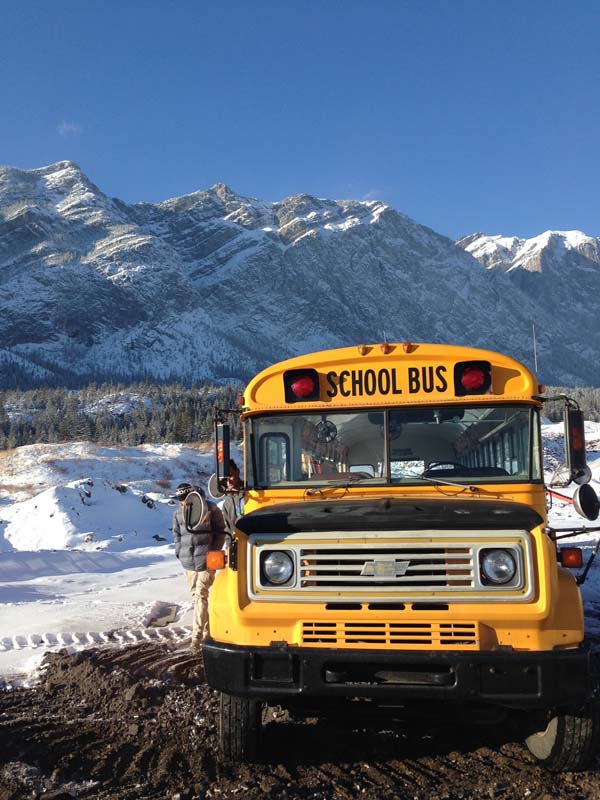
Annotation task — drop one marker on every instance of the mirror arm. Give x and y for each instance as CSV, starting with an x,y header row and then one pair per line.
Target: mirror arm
x,y
568,401
581,578
571,531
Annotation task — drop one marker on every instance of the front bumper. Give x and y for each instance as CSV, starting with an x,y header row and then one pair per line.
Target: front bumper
x,y
510,679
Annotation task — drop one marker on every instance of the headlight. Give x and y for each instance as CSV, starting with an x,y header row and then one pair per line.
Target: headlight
x,y
498,566
277,567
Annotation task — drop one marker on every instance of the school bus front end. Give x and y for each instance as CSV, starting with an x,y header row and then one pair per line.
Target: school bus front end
x,y
394,549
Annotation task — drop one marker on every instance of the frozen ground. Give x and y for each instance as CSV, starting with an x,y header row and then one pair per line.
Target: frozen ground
x,y
86,554
85,547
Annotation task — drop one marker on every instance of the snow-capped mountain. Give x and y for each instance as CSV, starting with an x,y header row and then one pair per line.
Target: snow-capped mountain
x,y
215,286
552,250
560,271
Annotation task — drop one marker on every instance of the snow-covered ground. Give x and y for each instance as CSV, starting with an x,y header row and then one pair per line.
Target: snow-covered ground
x,y
86,554
85,546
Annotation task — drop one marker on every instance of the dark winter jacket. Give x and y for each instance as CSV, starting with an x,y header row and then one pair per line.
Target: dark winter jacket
x,y
191,547
232,508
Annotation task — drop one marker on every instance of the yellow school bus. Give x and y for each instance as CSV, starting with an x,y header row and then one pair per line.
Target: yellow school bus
x,y
394,549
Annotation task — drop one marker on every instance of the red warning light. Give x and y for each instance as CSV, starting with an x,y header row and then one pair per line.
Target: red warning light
x,y
303,386
472,378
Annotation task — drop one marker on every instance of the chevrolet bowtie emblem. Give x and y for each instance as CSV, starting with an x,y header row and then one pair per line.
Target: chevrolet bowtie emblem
x,y
385,568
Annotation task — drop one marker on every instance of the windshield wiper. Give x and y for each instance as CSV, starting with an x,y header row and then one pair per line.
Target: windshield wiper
x,y
443,482
341,484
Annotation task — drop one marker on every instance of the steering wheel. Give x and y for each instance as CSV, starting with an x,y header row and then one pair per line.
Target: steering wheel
x,y
455,466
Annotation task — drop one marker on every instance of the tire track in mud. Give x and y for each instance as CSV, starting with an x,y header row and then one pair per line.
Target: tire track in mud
x,y
138,723
83,639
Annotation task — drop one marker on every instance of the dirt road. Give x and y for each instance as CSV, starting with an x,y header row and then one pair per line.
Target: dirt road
x,y
138,723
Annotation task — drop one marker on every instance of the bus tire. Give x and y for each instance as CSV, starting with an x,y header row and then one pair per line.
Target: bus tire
x,y
568,741
240,728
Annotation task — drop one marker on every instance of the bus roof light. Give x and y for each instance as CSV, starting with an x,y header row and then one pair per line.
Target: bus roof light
x,y
472,377
301,385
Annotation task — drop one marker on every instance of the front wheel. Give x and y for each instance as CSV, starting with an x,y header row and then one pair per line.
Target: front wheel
x,y
568,740
240,728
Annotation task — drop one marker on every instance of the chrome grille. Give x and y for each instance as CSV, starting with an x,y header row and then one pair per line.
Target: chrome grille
x,y
394,566
417,565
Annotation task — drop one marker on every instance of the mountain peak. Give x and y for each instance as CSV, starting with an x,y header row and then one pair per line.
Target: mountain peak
x,y
224,192
62,170
58,166
230,197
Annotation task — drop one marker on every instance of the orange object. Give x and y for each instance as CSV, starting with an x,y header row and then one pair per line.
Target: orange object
x,y
570,556
215,559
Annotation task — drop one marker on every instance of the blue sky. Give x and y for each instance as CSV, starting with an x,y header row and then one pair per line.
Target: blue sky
x,y
467,116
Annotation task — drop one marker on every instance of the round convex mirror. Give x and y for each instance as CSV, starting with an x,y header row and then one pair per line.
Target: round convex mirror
x,y
585,502
583,476
194,511
214,489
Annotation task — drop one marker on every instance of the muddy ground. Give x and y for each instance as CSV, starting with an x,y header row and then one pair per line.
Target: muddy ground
x,y
139,723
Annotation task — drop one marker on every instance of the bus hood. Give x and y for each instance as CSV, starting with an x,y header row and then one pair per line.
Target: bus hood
x,y
385,514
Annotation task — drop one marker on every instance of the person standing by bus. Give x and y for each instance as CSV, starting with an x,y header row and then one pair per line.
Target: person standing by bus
x,y
191,548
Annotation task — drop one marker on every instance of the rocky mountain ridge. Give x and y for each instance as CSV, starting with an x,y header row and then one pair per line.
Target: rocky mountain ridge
x,y
215,286
551,250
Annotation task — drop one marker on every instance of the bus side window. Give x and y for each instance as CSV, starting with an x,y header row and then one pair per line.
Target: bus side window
x,y
275,458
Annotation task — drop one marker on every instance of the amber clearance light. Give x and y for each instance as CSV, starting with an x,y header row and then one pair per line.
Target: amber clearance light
x,y
215,559
570,557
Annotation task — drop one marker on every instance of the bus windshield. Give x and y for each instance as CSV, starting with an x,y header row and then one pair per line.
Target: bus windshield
x,y
466,444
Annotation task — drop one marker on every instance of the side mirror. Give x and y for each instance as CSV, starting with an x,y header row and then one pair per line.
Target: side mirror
x,y
195,511
585,502
579,472
214,490
222,440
